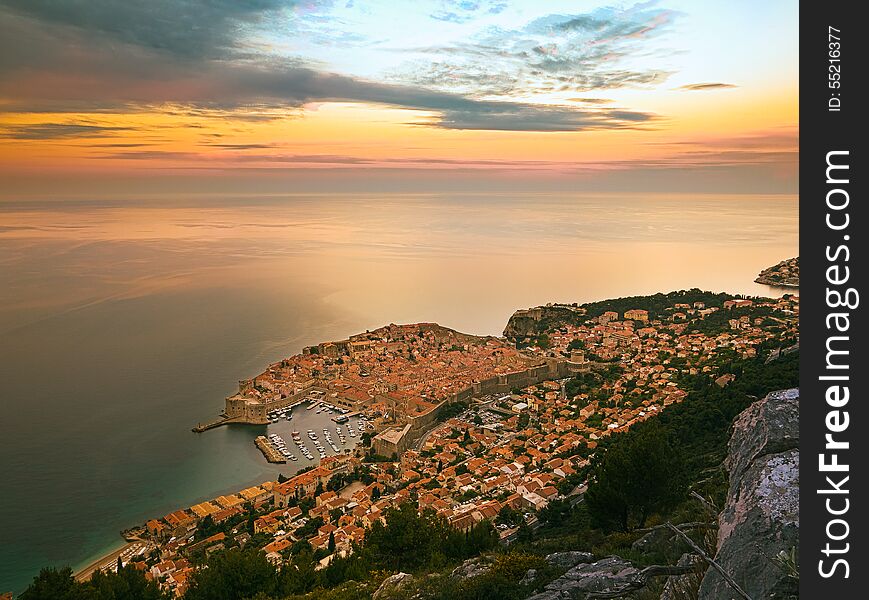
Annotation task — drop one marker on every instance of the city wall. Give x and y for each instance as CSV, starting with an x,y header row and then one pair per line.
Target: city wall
x,y
501,384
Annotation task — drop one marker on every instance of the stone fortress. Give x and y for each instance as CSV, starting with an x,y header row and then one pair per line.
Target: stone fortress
x,y
406,373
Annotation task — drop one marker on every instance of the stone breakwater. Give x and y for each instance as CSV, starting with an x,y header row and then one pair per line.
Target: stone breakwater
x,y
270,452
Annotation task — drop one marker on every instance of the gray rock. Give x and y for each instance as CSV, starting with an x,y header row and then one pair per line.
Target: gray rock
x,y
657,539
547,595
566,560
768,426
679,586
761,515
603,575
471,568
391,584
529,577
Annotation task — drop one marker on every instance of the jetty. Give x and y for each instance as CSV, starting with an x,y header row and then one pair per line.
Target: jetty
x,y
343,418
270,452
221,421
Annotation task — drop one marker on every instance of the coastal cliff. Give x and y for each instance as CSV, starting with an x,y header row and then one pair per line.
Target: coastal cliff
x,y
784,274
758,530
533,321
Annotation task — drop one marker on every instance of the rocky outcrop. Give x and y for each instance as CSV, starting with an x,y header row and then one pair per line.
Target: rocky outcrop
x,y
571,558
761,516
392,584
679,586
658,539
534,321
472,567
583,577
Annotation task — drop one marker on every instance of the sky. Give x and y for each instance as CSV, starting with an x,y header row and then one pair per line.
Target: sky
x,y
111,96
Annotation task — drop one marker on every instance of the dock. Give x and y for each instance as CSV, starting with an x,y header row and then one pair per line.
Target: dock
x,y
270,452
206,426
345,417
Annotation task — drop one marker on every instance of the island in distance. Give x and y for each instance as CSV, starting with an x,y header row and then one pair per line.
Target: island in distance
x,y
784,274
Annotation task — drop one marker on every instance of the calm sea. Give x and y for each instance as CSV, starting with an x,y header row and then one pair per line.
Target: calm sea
x,y
125,322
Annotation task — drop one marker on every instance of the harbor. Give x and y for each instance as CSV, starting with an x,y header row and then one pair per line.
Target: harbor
x,y
337,434
306,436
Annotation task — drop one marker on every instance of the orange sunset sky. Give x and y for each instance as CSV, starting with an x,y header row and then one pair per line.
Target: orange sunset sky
x,y
664,96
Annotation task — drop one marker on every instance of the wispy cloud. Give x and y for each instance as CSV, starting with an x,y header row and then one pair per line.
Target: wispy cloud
x,y
765,149
197,55
702,87
462,11
592,100
54,131
557,53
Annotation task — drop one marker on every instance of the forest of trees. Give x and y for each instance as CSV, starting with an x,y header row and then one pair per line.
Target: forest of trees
x,y
656,304
59,584
648,468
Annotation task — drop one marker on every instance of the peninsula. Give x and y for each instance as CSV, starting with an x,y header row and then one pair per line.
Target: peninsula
x,y
784,274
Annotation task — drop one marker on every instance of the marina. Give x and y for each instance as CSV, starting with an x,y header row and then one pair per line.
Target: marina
x,y
307,435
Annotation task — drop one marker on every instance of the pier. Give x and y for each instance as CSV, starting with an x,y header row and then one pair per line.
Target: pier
x,y
270,452
346,417
221,421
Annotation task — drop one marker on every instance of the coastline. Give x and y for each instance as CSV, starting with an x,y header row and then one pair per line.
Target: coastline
x,y
87,567
111,550
110,553
777,284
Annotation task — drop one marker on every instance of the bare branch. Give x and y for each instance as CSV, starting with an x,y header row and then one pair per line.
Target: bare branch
x,y
705,502
711,562
691,525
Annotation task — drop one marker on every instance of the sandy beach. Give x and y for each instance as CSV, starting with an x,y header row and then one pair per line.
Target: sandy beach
x,y
109,559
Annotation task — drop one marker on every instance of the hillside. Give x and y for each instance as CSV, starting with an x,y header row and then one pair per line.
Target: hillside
x,y
541,319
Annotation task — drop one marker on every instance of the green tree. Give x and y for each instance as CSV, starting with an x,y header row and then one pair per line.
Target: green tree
x,y
411,541
524,535
206,528
233,574
298,577
509,516
576,344
331,546
312,525
639,474
555,513
52,584
127,584
301,546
